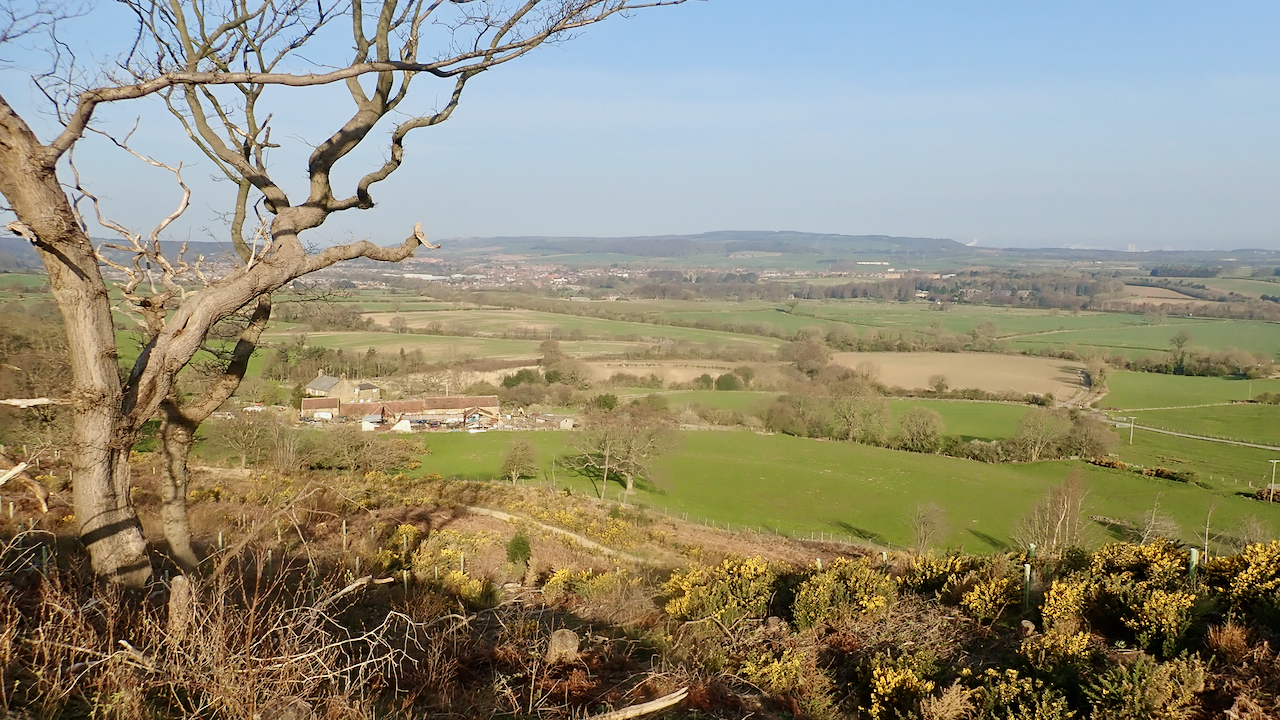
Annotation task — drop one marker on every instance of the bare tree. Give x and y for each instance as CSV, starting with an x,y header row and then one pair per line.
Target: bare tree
x,y
520,461
1039,430
213,62
1056,523
928,524
621,444
920,429
1156,525
861,415
938,383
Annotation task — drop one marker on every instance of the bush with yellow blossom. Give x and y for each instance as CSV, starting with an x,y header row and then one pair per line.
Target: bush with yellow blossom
x,y
737,587
847,586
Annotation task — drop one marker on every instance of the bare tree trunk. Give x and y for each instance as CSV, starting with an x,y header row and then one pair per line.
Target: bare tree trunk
x,y
176,438
109,526
178,426
100,442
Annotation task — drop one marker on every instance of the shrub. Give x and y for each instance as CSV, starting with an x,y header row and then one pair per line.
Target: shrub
x,y
1248,581
1228,641
1057,652
518,549
736,588
477,593
898,685
989,598
1162,616
1146,689
1007,695
847,586
1064,604
1109,462
792,674
1158,563
583,584
928,574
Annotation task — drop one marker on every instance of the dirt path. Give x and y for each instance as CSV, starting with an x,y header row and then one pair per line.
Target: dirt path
x,y
585,542
1168,407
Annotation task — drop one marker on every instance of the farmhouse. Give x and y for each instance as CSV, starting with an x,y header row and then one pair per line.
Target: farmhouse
x,y
340,388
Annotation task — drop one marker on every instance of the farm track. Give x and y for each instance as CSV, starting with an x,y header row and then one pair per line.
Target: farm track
x,y
584,541
1174,407
1189,436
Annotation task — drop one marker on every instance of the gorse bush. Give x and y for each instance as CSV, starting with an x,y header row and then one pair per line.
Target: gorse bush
x,y
848,586
1147,690
733,589
1249,580
584,585
926,574
898,684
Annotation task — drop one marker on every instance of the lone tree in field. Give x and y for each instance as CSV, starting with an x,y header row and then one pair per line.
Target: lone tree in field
x,y
928,525
620,444
214,63
520,461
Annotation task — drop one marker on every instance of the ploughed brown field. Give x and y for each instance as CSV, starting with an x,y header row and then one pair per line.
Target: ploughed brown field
x,y
987,371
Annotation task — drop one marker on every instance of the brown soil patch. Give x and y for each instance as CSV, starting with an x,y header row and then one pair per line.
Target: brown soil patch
x,y
1142,291
987,371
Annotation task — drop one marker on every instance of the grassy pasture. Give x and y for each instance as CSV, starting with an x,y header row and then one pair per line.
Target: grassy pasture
x,y
1229,468
963,318
1250,423
969,420
1136,390
769,317
1253,287
740,400
798,486
1140,339
498,321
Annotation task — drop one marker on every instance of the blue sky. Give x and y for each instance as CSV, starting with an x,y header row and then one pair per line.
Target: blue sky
x,y
1083,124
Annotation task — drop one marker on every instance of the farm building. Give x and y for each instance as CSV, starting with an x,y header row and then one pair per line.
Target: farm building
x,y
340,388
410,415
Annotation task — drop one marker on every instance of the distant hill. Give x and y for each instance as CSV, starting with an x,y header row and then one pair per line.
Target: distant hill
x,y
724,242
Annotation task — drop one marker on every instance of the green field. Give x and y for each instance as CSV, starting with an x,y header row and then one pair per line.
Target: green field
x,y
1250,423
797,486
970,420
1135,390
740,400
1253,287
499,321
1254,336
1228,468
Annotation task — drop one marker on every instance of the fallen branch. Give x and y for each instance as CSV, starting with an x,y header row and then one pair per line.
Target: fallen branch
x,y
652,706
33,402
19,471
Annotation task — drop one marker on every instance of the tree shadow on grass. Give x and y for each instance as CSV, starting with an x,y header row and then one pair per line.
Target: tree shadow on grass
x,y
861,533
1119,529
992,541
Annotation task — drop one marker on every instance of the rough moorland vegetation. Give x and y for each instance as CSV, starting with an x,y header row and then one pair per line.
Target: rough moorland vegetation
x,y
383,596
